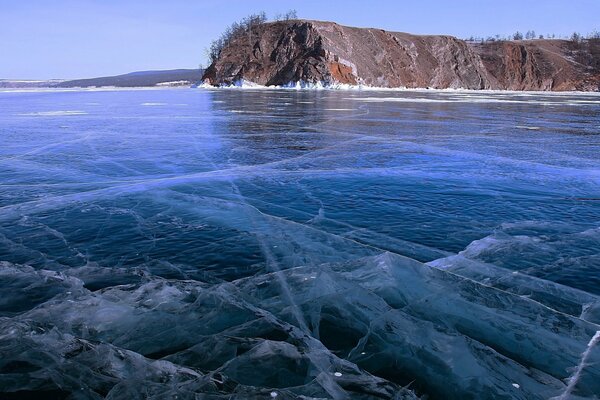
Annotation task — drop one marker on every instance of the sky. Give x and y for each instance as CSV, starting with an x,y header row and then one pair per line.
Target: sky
x,y
67,39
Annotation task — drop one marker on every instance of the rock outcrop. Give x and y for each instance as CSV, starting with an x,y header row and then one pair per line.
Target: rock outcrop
x,y
284,52
557,65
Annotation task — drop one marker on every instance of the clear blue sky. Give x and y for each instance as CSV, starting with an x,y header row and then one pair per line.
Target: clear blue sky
x,y
85,38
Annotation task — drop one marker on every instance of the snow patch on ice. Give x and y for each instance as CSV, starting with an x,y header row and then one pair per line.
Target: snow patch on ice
x,y
299,85
173,83
91,89
60,113
320,85
244,84
474,99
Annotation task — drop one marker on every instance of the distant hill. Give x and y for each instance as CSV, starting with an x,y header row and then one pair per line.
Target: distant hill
x,y
25,83
174,77
280,53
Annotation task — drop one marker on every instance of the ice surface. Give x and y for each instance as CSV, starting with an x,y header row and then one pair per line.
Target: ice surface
x,y
576,377
385,314
297,244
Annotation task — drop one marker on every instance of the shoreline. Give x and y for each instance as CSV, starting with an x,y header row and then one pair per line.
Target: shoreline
x,y
303,87
247,85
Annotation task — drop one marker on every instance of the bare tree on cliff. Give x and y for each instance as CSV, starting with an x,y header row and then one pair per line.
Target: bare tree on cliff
x,y
253,21
291,14
235,31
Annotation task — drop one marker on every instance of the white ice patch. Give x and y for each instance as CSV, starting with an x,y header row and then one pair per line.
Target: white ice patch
x,y
244,84
593,98
173,83
154,104
400,100
91,89
494,243
60,113
300,85
473,99
244,112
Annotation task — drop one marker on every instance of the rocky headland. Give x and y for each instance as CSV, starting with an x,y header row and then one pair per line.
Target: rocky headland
x,y
284,52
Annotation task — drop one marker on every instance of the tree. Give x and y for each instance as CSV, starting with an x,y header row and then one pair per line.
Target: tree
x,y
530,35
214,51
576,37
291,14
235,31
518,36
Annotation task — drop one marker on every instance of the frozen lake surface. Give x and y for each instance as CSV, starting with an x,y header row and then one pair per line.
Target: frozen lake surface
x,y
281,244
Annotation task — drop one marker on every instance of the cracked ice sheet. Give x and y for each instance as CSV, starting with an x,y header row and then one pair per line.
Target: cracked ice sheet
x,y
230,246
390,310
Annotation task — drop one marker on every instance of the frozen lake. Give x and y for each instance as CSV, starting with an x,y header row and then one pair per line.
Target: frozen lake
x,y
283,243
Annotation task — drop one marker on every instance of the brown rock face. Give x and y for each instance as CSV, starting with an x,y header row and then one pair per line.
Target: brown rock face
x,y
282,52
557,65
273,54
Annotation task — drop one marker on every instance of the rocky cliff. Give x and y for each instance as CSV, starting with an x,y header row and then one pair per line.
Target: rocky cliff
x,y
311,51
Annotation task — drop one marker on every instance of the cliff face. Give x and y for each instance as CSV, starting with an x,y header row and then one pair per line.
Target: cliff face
x,y
282,52
557,65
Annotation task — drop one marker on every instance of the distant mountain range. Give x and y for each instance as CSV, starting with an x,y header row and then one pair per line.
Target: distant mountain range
x,y
174,77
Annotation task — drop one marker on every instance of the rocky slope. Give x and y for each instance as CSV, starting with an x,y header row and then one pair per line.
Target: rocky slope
x,y
311,51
